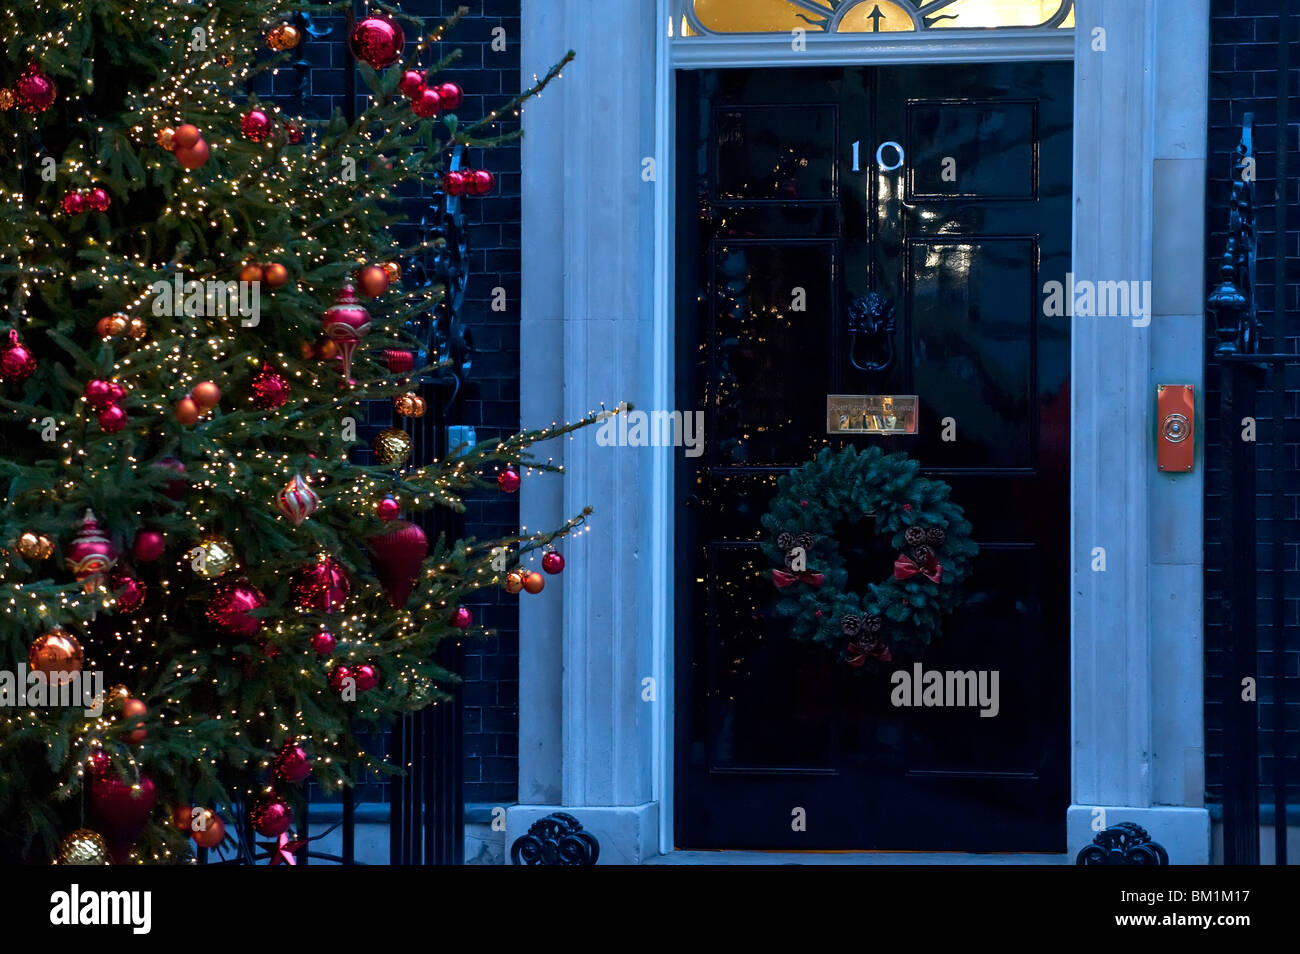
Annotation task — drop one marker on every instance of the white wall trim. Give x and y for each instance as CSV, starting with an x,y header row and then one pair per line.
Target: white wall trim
x,y
867,49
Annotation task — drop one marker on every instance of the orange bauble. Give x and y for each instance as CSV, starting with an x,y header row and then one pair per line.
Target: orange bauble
x,y
57,654
515,581
307,350
208,830
187,412
534,582
392,270
252,272
275,275
328,350
372,281
193,156
206,395
111,326
185,137
133,710
167,138
183,817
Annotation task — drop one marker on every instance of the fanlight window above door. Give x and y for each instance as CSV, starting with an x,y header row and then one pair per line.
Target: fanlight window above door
x,y
702,17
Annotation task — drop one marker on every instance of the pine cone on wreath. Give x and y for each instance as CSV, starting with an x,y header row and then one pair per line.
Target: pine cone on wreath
x,y
914,536
922,554
784,541
935,536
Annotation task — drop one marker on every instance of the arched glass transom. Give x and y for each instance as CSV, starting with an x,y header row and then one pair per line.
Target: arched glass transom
x,y
702,17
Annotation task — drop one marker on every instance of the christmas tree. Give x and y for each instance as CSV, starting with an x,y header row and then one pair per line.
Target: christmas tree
x,y
200,295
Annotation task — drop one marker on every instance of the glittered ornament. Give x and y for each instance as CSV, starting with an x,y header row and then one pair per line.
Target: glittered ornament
x,y
130,592
213,556
82,847
6,100
166,138
35,546
366,676
292,764
514,581
58,655
271,817
508,480
113,419
397,555
16,363
74,203
90,553
534,582
450,94
34,92
228,609
268,389
110,326
323,643
377,40
136,329
322,586
392,270
347,324
388,508
283,37
392,447
553,562
98,199
462,618
372,281
427,104
297,501
121,809
412,84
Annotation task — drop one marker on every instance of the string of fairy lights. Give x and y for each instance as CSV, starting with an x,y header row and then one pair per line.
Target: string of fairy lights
x,y
232,473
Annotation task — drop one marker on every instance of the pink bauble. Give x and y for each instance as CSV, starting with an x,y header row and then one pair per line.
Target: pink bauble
x,y
455,183
98,199
74,203
113,419
17,364
508,480
426,105
462,618
268,389
397,556
256,125
450,94
98,394
481,182
377,40
271,818
347,323
339,676
412,84
388,508
552,562
149,545
292,133
366,676
323,643
130,591
34,92
121,810
323,586
176,488
292,764
230,605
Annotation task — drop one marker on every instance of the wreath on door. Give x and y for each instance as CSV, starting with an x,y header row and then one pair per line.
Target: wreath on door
x,y
846,489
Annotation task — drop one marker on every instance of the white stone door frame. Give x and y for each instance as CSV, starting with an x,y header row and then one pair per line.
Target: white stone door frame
x,y
597,326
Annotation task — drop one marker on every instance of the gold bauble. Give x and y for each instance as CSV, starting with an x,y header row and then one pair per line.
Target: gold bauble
x,y
164,138
515,580
212,557
283,37
58,655
29,545
115,696
392,446
6,100
409,405
82,847
392,270
137,329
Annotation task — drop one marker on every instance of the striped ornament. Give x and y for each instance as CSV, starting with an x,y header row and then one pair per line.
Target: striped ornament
x,y
297,501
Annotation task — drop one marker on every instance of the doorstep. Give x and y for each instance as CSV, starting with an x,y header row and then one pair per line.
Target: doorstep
x,y
853,858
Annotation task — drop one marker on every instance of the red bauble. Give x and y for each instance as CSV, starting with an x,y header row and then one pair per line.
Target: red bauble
x,y
552,562
113,419
269,389
91,552
412,84
230,605
34,92
16,362
175,489
74,203
256,125
292,133
130,591
372,281
322,586
347,324
366,676
427,104
186,136
508,480
292,764
455,183
451,95
97,763
98,199
271,818
121,810
208,830
377,40
98,393
323,643
149,545
388,508
397,556
398,361
481,182
462,618
115,391
339,676
194,156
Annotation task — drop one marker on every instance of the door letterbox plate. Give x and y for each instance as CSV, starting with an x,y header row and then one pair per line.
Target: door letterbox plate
x,y
871,414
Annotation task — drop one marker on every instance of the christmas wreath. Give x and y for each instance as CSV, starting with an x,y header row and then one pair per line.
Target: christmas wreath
x,y
848,488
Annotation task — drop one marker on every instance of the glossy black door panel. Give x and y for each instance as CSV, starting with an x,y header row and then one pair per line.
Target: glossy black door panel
x,y
777,233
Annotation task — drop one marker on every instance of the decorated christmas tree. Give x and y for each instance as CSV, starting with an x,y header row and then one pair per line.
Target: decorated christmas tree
x,y
208,585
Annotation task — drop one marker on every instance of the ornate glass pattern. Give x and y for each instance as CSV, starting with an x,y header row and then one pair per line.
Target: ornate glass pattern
x,y
870,16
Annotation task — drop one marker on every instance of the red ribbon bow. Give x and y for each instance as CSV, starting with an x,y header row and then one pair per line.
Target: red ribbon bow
x,y
782,579
857,654
905,568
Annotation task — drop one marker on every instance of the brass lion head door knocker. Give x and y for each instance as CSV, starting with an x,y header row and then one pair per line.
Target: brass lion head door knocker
x,y
871,316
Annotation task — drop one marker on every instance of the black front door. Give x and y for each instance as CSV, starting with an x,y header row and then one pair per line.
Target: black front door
x,y
789,208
